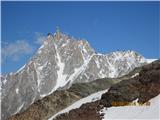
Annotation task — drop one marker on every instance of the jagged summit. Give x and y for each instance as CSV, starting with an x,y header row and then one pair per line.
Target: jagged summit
x,y
58,34
58,63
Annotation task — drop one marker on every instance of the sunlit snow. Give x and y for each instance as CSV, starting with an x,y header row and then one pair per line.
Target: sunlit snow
x,y
134,112
136,74
91,98
17,90
150,60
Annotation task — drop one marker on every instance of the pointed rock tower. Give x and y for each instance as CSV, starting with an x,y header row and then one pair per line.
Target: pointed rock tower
x,y
58,33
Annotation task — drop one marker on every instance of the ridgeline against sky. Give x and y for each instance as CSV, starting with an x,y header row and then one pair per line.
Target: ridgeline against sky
x,y
107,26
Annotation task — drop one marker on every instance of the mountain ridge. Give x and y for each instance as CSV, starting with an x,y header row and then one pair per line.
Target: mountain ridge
x,y
60,62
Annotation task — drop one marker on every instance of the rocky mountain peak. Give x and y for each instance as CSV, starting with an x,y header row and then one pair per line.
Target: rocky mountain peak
x,y
61,61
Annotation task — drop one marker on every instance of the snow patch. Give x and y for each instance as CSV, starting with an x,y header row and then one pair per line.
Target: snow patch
x,y
101,74
63,45
4,81
39,52
21,69
42,46
17,90
136,74
19,108
97,63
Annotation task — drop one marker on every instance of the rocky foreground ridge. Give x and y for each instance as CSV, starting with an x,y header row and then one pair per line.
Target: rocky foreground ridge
x,y
143,87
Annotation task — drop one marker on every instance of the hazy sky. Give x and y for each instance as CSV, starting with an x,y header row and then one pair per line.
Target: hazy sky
x,y
108,26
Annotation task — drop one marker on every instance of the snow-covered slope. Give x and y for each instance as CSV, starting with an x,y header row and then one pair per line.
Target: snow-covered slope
x,y
150,60
135,111
93,97
60,62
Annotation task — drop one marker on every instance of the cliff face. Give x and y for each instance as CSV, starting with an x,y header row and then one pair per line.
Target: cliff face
x,y
141,87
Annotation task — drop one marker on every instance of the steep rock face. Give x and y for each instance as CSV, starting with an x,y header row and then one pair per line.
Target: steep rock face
x,y
58,63
142,88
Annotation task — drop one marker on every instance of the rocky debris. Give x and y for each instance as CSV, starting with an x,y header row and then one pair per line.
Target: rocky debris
x,y
58,63
143,87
